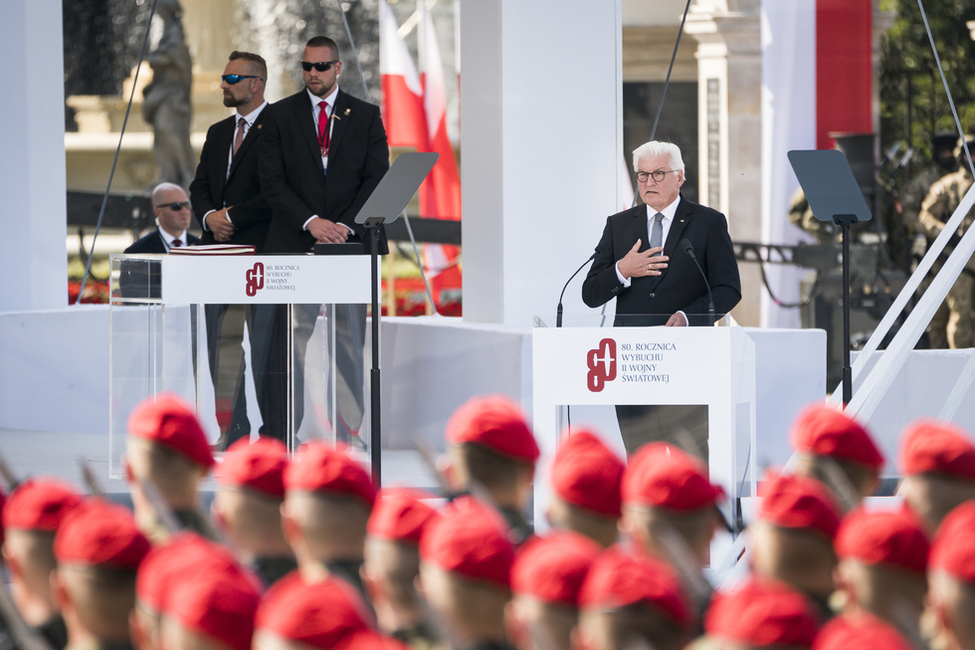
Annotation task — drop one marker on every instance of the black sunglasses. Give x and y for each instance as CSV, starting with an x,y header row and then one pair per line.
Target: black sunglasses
x,y
176,207
321,66
234,78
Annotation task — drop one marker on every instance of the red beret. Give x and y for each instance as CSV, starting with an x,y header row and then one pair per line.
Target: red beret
x,y
220,601
617,579
168,563
825,431
931,446
40,504
761,613
552,568
861,631
400,515
319,466
663,475
259,466
97,532
884,537
587,474
326,614
792,501
168,420
470,540
953,549
495,422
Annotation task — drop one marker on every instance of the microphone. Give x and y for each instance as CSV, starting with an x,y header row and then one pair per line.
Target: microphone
x,y
687,248
558,312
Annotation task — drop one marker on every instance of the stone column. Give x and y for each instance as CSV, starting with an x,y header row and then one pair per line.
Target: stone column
x,y
728,34
541,139
33,263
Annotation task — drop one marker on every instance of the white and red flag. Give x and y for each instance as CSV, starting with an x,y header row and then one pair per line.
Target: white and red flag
x,y
440,193
403,115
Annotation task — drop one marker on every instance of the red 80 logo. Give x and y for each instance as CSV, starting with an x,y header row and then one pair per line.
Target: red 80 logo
x,y
255,279
602,365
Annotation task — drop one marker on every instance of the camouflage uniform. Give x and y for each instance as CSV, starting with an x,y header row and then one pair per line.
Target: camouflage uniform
x,y
914,197
940,204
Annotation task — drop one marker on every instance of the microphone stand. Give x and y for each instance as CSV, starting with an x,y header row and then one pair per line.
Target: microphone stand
x,y
686,245
558,311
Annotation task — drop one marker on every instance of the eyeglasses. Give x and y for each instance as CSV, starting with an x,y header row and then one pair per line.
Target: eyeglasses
x,y
176,207
321,66
657,176
234,78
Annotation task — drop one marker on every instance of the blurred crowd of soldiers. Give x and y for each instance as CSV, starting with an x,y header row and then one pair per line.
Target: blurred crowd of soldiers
x,y
910,215
304,552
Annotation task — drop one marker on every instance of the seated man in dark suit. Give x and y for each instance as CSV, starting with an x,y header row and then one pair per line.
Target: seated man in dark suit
x,y
172,210
639,263
138,278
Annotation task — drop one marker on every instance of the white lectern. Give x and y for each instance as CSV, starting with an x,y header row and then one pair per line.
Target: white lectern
x,y
710,366
157,341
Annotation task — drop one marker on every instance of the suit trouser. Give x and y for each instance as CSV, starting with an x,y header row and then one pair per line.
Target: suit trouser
x,y
684,426
291,326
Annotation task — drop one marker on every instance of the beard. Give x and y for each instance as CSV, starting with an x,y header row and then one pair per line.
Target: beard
x,y
233,102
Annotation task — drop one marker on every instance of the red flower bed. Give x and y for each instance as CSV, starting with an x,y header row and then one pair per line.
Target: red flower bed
x,y
95,292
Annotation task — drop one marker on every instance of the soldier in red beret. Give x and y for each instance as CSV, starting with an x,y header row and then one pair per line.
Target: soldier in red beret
x,y
180,558
937,460
861,631
328,499
392,564
465,574
951,575
883,560
632,602
31,517
670,509
586,479
247,506
491,448
212,610
326,614
98,550
168,449
792,540
838,451
546,579
760,614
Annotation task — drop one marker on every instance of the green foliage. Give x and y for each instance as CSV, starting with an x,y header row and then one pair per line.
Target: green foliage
x,y
913,102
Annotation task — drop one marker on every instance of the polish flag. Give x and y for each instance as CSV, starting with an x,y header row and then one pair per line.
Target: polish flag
x,y
817,79
402,106
440,193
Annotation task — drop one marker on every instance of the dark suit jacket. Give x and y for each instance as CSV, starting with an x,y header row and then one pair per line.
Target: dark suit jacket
x,y
680,287
292,179
212,189
153,243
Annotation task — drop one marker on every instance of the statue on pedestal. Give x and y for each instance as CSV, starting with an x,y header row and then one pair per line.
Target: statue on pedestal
x,y
166,103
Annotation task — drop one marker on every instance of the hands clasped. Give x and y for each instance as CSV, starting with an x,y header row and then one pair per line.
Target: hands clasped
x,y
220,225
326,231
650,262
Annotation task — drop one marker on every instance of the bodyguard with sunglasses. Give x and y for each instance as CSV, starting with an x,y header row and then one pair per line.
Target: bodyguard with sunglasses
x,y
173,216
323,152
227,202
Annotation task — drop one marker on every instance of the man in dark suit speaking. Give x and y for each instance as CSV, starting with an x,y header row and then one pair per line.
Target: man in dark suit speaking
x,y
323,152
638,262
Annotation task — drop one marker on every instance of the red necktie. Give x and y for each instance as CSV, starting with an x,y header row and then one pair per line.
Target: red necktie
x,y
323,134
240,135
177,243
